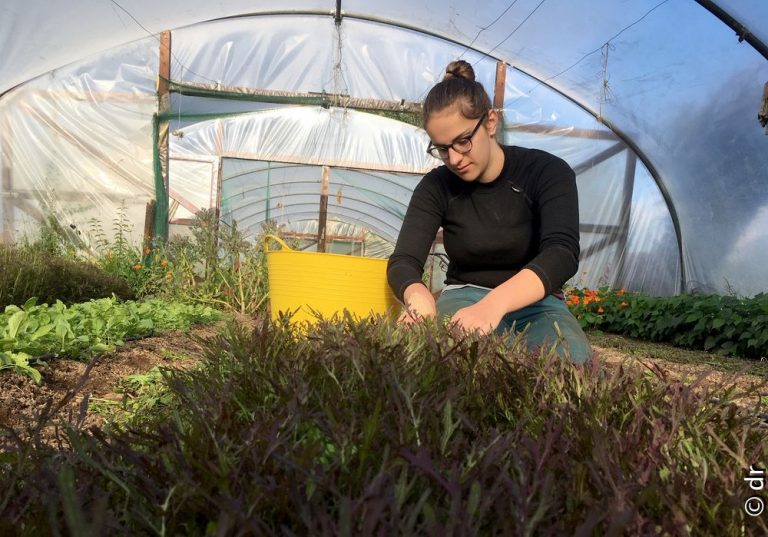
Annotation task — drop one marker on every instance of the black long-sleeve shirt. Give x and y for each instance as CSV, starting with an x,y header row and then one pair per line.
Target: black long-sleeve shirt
x,y
528,217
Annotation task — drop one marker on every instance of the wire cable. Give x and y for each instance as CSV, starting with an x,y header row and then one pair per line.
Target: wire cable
x,y
484,28
124,10
468,47
585,56
517,28
598,49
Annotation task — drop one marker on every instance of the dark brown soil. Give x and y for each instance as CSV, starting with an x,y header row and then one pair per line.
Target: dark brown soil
x,y
71,384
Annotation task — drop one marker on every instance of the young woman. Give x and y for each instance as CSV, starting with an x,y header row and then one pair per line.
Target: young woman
x,y
510,220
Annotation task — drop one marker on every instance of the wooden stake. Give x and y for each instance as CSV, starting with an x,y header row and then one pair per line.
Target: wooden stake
x,y
164,73
323,209
149,223
498,93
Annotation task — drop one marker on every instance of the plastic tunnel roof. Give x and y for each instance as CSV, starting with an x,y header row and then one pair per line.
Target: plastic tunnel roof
x,y
679,82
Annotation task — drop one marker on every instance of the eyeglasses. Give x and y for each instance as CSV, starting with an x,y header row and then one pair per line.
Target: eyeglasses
x,y
461,146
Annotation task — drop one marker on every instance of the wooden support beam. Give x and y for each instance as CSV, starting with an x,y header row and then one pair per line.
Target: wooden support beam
x,y
562,131
162,140
600,229
219,181
498,93
164,74
149,223
24,205
321,223
181,200
596,247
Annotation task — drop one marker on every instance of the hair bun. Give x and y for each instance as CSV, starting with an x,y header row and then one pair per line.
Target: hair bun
x,y
459,69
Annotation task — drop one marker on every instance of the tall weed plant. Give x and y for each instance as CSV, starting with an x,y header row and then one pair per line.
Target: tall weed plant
x,y
215,265
369,429
218,266
26,273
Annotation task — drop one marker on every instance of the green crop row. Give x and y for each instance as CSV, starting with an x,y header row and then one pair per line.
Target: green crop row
x,y
32,333
724,324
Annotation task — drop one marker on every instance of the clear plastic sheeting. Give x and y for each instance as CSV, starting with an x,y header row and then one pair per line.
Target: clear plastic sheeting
x,y
294,52
311,135
192,187
300,54
77,145
624,219
38,36
382,196
651,260
255,193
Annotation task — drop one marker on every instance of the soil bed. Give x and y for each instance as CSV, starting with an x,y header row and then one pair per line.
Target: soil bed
x,y
21,399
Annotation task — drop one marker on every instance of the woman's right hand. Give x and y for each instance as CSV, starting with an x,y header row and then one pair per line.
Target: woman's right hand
x,y
419,304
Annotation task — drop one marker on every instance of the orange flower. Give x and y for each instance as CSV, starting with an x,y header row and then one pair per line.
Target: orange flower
x,y
147,251
624,304
600,309
620,292
137,266
164,263
575,299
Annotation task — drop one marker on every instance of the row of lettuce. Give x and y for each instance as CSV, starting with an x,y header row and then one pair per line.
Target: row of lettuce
x,y
32,334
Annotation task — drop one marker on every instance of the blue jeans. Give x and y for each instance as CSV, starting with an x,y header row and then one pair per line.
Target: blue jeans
x,y
547,322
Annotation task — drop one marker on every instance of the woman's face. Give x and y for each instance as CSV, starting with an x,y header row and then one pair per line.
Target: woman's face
x,y
449,126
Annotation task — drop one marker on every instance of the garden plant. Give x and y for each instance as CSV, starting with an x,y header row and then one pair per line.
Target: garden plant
x,y
363,428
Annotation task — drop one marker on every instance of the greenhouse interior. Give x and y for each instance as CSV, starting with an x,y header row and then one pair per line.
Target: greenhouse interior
x,y
240,294
265,113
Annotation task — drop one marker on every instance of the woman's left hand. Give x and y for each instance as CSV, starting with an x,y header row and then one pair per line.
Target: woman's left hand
x,y
480,317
